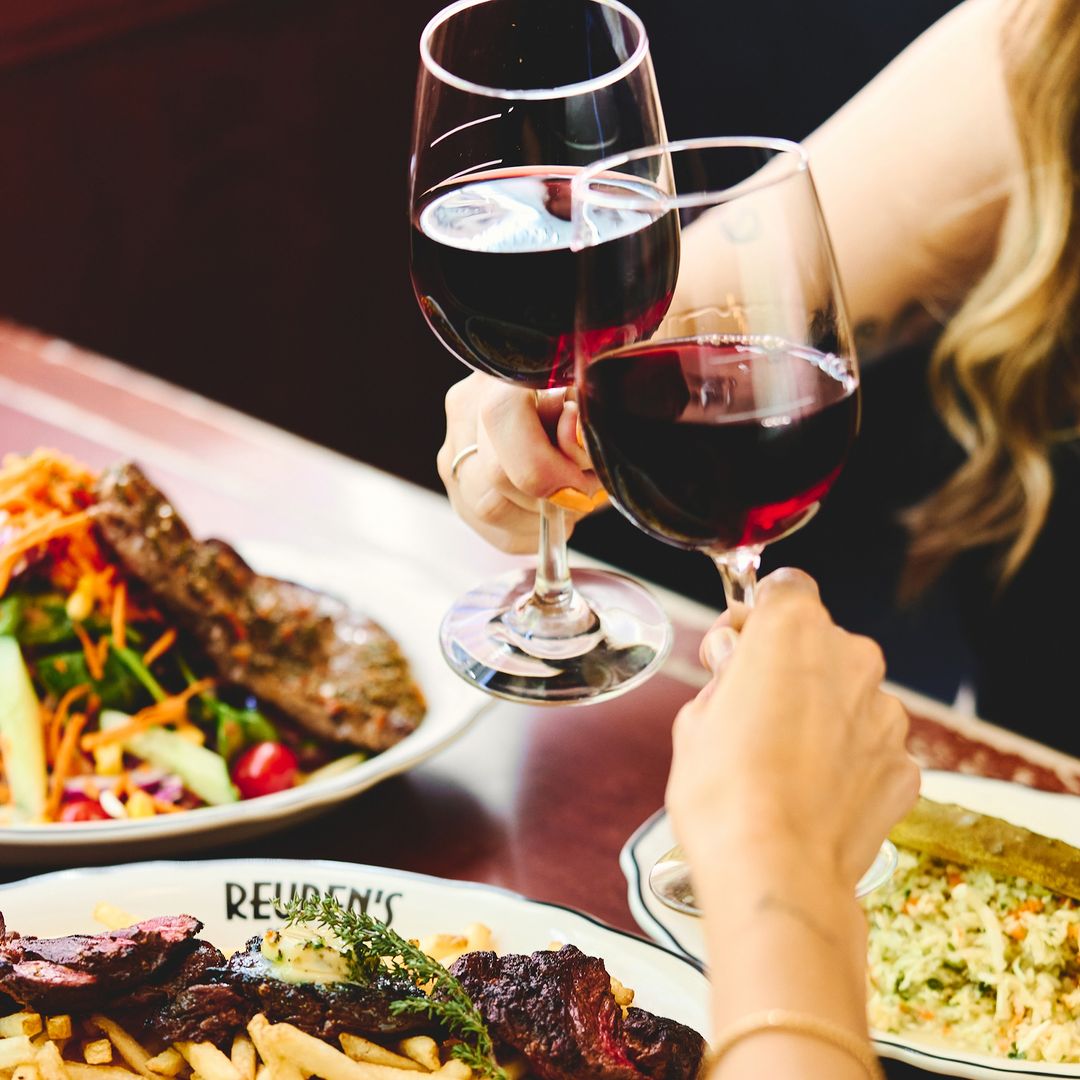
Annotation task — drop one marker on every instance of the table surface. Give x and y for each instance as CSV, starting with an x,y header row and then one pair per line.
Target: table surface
x,y
560,789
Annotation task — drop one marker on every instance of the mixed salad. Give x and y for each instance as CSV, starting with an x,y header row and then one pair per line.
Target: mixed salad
x,y
106,709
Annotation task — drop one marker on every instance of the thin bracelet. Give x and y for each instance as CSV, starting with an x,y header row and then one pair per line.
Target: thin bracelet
x,y
801,1024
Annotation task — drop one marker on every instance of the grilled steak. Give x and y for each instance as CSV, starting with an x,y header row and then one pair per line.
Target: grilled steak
x,y
229,995
662,1048
336,673
557,1010
143,1007
81,971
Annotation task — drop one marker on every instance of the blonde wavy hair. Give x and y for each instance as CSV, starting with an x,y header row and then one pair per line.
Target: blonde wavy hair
x,y
1005,376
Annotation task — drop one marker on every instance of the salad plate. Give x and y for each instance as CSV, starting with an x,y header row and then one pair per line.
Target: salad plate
x,y
409,605
234,899
1051,814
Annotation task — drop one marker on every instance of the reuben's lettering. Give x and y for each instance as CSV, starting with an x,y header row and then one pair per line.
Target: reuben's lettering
x,y
259,900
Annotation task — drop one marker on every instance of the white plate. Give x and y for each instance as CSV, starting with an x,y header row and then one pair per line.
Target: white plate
x,y
233,898
1044,812
410,606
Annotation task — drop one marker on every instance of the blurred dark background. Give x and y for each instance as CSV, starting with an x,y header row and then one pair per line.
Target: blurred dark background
x,y
215,191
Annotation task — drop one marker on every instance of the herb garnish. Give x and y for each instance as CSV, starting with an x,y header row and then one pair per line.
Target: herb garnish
x,y
366,943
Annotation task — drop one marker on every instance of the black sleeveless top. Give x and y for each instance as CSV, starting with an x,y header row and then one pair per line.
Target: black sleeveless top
x,y
1019,648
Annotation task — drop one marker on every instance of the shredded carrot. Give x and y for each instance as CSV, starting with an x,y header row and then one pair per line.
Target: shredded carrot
x,y
119,616
163,807
65,758
160,647
103,651
51,528
170,711
59,718
94,662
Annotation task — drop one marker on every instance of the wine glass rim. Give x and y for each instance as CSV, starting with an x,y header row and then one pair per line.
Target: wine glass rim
x,y
542,93
795,153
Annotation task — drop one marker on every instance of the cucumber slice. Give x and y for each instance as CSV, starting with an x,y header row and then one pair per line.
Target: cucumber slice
x,y
22,738
202,771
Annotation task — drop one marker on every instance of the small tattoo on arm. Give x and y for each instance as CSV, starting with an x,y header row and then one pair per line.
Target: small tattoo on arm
x,y
913,323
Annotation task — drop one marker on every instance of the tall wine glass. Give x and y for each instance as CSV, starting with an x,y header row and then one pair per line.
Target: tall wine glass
x,y
725,430
514,97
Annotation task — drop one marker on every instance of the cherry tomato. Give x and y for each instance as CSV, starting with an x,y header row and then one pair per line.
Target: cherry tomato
x,y
263,769
83,810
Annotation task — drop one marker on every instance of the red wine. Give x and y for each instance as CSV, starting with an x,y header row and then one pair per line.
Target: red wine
x,y
497,281
715,443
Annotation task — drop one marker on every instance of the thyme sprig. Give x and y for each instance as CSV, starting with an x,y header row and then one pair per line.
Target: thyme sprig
x,y
367,943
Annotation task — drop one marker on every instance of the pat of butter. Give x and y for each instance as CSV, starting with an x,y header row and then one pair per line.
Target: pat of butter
x,y
299,954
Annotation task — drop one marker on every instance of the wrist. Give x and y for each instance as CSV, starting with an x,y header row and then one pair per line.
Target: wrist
x,y
733,866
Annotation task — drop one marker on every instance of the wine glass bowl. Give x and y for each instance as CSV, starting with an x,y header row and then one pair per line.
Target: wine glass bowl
x,y
725,428
513,98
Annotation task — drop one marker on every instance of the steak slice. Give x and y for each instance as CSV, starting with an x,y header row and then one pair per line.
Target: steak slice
x,y
211,1017
557,1010
661,1048
336,673
247,984
81,971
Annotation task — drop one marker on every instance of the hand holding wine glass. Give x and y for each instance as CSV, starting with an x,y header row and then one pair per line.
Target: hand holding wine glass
x,y
793,748
727,427
514,97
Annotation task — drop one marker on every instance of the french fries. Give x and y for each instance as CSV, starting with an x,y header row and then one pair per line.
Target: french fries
x,y
168,1063
58,1028
360,1049
20,1023
127,1046
243,1056
208,1061
16,1050
422,1049
98,1052
265,1052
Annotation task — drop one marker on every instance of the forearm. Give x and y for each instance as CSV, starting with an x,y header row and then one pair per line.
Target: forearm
x,y
913,175
780,936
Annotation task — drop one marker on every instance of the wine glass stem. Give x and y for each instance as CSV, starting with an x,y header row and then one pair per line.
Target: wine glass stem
x,y
553,586
738,571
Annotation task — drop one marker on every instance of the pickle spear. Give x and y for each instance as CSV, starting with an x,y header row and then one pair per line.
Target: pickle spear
x,y
962,836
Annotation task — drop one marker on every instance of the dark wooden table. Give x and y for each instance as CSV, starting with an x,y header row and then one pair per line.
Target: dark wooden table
x,y
535,800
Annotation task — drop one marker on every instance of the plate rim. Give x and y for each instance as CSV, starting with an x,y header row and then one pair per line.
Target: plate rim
x,y
892,1045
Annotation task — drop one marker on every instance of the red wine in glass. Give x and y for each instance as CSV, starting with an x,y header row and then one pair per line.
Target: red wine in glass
x,y
716,443
496,278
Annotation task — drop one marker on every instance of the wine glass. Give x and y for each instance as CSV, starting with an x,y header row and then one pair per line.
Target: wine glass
x,y
726,428
514,97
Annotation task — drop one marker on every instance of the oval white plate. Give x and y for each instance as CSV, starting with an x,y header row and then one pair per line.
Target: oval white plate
x,y
410,606
233,897
1044,812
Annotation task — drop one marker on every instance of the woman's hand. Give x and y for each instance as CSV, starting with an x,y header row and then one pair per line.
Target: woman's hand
x,y
792,748
498,489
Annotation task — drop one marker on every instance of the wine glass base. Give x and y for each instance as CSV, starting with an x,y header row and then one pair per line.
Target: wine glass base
x,y
670,882
630,643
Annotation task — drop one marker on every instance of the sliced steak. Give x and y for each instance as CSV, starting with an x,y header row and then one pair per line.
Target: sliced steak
x,y
557,1010
142,1008
246,984
81,971
337,673
661,1048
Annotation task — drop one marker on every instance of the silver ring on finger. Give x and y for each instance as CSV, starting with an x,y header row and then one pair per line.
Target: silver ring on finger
x,y
460,457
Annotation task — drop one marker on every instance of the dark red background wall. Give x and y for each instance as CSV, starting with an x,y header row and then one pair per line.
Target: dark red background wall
x,y
214,190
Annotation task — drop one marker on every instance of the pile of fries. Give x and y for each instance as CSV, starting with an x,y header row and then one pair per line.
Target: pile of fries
x,y
36,1047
